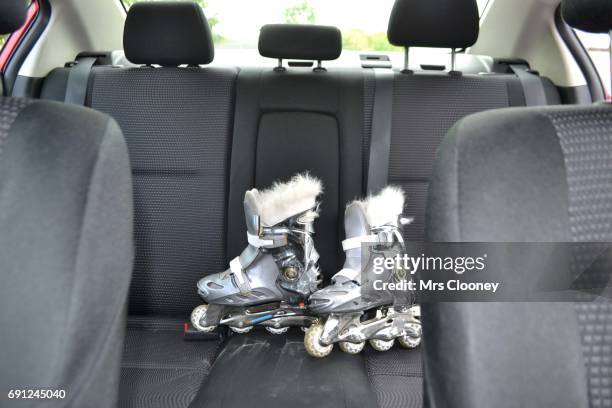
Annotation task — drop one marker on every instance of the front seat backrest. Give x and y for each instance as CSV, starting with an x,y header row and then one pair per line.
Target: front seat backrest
x,y
65,248
523,175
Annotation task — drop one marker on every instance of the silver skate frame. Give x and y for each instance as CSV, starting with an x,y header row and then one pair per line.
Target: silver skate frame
x,y
387,325
278,318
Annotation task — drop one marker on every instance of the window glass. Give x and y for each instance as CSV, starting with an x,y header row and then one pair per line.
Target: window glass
x,y
598,47
236,23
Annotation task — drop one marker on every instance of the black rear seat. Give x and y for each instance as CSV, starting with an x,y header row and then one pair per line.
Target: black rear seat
x,y
182,129
426,105
177,123
293,121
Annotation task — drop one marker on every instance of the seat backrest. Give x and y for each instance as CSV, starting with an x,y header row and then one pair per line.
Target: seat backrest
x,y
294,120
526,175
66,245
177,123
426,105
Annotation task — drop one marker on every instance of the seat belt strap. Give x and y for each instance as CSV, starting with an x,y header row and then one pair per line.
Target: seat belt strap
x,y
533,87
380,143
76,87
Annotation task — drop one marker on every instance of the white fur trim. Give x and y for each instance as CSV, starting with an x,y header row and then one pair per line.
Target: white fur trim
x,y
385,207
284,200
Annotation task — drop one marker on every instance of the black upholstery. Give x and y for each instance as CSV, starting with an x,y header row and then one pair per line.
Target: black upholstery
x,y
434,23
160,368
177,124
292,122
300,41
198,139
594,16
167,33
65,249
533,175
263,371
12,15
425,106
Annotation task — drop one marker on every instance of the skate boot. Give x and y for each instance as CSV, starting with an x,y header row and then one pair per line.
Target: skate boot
x,y
349,314
269,282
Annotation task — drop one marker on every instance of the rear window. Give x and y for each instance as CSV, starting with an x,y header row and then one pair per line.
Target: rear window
x,y
598,47
236,23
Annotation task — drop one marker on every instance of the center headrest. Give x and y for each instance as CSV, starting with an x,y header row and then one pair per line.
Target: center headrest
x,y
167,33
303,42
434,23
594,16
12,15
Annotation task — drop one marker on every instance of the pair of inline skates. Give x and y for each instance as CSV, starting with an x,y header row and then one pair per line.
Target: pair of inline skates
x,y
275,281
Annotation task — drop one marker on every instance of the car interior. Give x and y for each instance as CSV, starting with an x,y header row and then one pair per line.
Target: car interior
x,y
127,142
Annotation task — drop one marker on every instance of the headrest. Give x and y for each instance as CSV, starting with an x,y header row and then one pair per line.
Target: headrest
x,y
434,23
12,15
167,33
302,42
594,16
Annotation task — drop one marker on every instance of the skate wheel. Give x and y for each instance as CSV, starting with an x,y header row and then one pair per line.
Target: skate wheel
x,y
313,345
241,330
382,345
274,330
409,342
196,316
351,348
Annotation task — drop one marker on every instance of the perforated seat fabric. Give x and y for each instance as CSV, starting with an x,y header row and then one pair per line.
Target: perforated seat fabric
x,y
292,122
177,124
66,250
396,377
425,107
548,178
159,367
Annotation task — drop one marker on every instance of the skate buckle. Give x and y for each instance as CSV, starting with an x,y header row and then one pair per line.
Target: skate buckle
x,y
240,277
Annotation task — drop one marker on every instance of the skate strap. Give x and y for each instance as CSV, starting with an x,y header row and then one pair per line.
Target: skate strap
x,y
238,272
257,242
348,274
355,242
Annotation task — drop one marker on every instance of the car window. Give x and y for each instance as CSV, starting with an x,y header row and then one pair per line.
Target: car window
x,y
363,22
598,47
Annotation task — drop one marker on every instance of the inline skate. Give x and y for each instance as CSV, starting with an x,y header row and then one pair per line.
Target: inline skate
x,y
268,284
350,314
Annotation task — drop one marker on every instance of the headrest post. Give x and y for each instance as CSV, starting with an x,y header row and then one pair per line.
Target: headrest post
x,y
452,71
406,69
279,67
319,67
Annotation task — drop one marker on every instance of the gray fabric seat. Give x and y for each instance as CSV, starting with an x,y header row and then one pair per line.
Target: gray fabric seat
x,y
426,105
177,123
526,175
66,250
195,151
